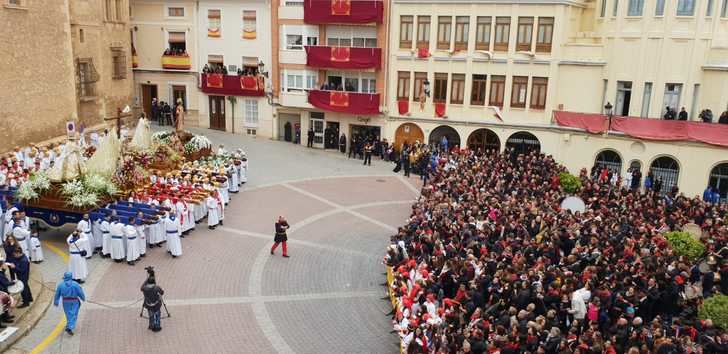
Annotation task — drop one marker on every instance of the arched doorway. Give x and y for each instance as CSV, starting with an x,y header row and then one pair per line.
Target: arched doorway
x,y
609,159
408,133
484,139
719,180
523,143
453,138
666,169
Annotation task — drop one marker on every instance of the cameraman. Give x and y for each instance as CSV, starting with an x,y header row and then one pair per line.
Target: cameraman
x,y
153,301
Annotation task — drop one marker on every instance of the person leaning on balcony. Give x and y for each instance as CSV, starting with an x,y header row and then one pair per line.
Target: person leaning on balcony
x,y
206,69
683,115
723,118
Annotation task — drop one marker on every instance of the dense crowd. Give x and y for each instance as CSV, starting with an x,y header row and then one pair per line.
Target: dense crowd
x,y
489,262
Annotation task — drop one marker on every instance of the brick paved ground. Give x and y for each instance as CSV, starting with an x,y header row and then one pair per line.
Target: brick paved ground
x,y
228,295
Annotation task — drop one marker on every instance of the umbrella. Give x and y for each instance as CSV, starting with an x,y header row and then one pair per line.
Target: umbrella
x,y
574,204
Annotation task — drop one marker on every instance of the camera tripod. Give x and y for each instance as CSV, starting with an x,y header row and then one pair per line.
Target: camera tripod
x,y
141,313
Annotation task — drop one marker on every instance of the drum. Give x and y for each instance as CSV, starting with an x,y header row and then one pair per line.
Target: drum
x,y
16,288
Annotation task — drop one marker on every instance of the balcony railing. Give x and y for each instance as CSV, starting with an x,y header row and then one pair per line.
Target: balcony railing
x,y
343,11
176,62
345,102
233,85
343,57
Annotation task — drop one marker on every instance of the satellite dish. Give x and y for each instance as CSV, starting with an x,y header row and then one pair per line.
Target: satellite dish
x,y
574,204
126,109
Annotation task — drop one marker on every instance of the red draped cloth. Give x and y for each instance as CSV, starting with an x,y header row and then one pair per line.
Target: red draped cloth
x,y
440,109
646,128
403,106
343,57
345,102
343,11
232,85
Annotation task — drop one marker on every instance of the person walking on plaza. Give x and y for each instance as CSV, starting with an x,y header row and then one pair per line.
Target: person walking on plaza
x,y
77,262
71,294
21,266
342,143
36,251
368,154
281,236
310,135
153,303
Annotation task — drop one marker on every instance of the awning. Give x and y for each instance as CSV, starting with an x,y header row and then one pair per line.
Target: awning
x,y
176,37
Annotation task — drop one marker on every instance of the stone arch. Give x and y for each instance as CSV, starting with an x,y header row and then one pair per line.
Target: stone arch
x,y
484,139
523,142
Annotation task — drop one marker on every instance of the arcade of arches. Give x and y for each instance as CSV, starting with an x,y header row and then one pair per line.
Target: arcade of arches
x,y
523,142
667,170
483,139
453,138
407,133
719,180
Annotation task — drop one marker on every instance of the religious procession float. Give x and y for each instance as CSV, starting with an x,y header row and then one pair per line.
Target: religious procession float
x,y
147,174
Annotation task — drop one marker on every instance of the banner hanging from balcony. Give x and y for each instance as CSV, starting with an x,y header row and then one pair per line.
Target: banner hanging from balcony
x,y
343,57
440,109
345,102
647,128
342,11
233,85
403,106
177,62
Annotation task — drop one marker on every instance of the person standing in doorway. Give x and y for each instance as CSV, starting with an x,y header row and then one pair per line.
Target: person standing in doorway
x,y
368,154
342,143
310,138
71,294
281,236
179,116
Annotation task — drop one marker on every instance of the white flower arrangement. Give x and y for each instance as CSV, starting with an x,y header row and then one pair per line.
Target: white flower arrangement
x,y
162,138
84,199
73,188
27,192
40,181
200,142
99,184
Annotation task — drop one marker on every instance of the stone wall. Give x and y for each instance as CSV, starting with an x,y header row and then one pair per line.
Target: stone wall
x,y
38,93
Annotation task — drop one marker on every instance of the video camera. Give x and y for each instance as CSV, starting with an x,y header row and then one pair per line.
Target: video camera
x,y
150,271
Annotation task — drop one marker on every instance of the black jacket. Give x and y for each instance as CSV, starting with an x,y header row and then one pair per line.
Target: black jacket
x,y
152,296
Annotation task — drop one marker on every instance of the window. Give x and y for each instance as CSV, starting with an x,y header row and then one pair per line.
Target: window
x,y
659,7
215,61
250,65
482,33
109,10
81,36
709,9
444,26
635,7
119,10
213,23
724,9
545,34
539,87
249,24
294,3
403,83
440,94
615,9
525,33
423,32
462,29
603,10
368,85
518,92
251,113
685,7
345,36
458,89
118,59
497,90
298,36
672,97
15,2
477,94
419,87
502,32
298,80
176,11
177,41
86,77
405,32
646,98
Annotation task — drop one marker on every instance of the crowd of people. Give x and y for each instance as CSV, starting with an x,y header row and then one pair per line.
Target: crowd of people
x,y
706,115
489,262
178,52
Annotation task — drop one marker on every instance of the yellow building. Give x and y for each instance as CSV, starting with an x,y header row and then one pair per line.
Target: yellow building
x,y
165,66
456,68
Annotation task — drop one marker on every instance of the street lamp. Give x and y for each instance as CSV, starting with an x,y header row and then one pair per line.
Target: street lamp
x,y
608,110
426,87
261,66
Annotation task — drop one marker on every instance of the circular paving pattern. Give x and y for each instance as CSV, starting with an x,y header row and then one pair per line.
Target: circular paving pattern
x,y
228,294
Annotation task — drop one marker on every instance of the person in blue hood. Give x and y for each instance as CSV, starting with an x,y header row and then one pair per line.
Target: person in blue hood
x,y
708,194
71,294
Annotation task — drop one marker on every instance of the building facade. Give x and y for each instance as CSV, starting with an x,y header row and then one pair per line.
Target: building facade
x,y
81,72
490,74
330,69
165,38
234,43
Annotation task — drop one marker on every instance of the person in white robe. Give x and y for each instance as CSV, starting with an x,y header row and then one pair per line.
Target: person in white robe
x,y
220,208
181,212
234,179
84,227
36,251
96,232
156,233
104,227
213,218
243,169
22,236
116,230
223,190
132,244
9,221
141,230
76,263
172,230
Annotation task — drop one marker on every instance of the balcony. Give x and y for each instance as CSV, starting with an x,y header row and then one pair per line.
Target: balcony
x,y
177,62
233,85
343,57
345,102
343,11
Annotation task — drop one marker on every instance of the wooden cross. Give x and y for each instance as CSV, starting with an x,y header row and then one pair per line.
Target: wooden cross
x,y
118,117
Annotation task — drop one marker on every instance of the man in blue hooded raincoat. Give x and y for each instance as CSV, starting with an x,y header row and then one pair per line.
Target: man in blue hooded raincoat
x,y
71,294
